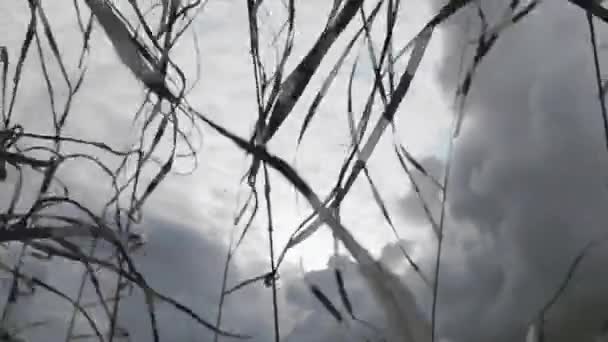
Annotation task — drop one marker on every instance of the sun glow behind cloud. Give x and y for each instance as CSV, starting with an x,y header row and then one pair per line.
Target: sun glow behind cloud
x,y
206,199
226,93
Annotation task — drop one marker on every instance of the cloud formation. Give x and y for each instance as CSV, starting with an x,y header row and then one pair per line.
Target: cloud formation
x,y
177,261
527,193
528,188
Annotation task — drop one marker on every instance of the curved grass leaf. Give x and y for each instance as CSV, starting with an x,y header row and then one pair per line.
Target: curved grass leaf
x,y
381,125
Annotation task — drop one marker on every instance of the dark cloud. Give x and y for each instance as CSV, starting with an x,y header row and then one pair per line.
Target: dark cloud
x,y
528,189
177,261
181,262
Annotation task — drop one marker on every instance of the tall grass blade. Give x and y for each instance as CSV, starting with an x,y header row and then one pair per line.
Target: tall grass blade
x,y
427,210
532,334
129,50
343,294
25,46
598,75
384,121
594,7
327,304
404,320
294,85
419,167
332,76
5,63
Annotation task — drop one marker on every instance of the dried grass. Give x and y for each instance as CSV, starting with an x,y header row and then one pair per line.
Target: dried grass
x,y
143,41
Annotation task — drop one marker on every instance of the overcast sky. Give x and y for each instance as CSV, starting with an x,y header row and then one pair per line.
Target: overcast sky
x,y
528,188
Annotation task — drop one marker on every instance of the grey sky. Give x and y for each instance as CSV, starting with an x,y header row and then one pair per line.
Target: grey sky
x,y
528,187
527,192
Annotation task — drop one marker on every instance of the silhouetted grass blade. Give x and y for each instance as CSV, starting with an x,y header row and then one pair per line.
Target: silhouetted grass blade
x,y
327,304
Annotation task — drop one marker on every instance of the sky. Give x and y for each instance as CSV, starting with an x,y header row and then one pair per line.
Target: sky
x,y
527,188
